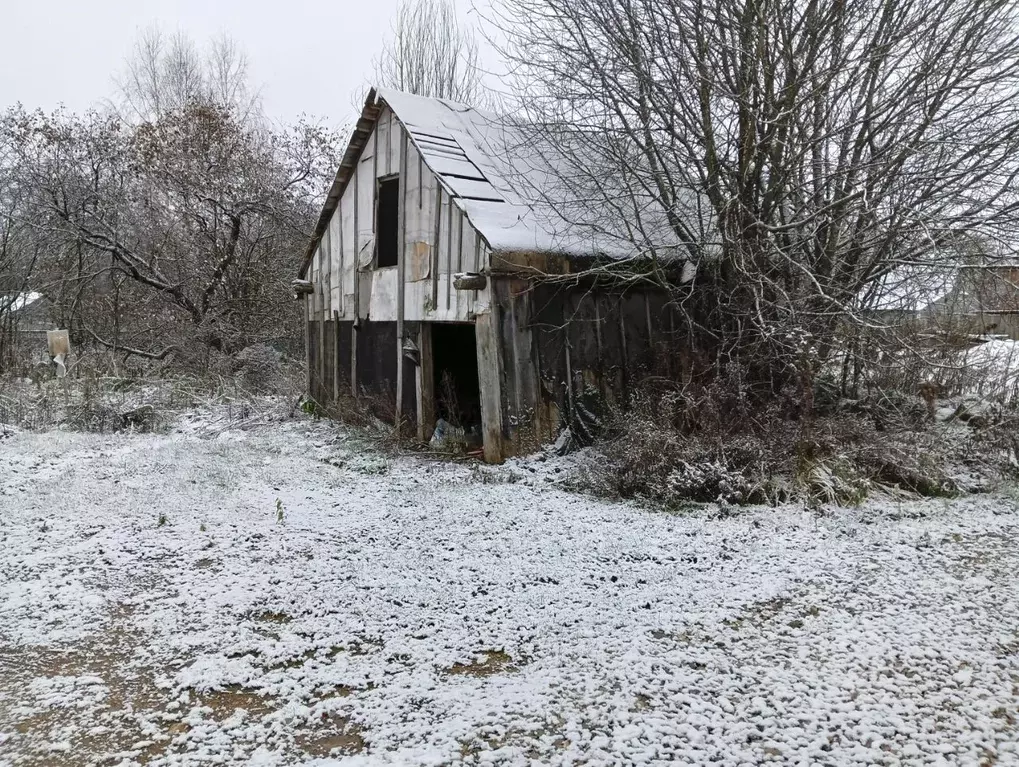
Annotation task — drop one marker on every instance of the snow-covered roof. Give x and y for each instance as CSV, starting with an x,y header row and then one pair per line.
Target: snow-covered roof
x,y
504,182
501,179
909,289
18,301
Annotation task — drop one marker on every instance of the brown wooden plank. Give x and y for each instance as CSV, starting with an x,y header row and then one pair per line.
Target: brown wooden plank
x,y
487,334
401,277
425,383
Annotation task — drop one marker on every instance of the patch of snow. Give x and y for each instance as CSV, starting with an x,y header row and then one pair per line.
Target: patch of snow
x,y
430,614
19,301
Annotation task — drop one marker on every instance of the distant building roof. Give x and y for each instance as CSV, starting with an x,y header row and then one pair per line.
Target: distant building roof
x,y
991,288
17,301
966,289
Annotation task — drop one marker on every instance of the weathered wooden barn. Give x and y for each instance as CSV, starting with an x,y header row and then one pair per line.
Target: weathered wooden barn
x,y
435,287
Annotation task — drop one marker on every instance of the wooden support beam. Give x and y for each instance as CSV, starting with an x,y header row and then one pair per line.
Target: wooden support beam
x,y
625,352
339,216
470,281
356,251
401,270
486,327
435,245
320,315
306,311
425,383
336,354
449,251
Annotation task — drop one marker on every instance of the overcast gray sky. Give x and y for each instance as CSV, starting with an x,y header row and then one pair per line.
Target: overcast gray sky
x,y
309,56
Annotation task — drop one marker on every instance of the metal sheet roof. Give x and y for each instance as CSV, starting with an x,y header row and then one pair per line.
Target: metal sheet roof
x,y
495,174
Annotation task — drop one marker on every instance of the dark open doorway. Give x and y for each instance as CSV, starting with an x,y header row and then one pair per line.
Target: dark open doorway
x,y
387,222
457,393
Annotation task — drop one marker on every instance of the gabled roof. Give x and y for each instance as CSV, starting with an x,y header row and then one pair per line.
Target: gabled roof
x,y
17,301
358,140
949,290
494,173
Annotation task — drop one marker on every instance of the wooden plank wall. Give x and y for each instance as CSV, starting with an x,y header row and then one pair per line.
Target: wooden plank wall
x,y
438,242
571,353
546,352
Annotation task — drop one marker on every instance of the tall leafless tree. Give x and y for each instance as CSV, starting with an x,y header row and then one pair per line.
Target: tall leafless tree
x,y
170,72
798,151
173,221
431,53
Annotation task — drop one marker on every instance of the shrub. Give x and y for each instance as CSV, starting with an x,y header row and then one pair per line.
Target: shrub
x,y
673,448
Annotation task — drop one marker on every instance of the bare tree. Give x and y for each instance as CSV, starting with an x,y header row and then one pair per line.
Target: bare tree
x,y
171,225
796,152
169,72
431,54
19,254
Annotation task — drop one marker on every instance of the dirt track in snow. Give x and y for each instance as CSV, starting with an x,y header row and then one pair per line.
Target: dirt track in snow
x,y
154,611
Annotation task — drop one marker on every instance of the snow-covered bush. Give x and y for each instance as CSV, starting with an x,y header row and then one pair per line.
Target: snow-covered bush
x,y
653,454
707,480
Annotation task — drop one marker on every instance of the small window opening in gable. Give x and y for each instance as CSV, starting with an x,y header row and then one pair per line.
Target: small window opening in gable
x,y
387,222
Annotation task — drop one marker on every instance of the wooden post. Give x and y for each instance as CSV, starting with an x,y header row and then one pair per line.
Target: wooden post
x,y
356,249
625,353
389,146
401,267
486,327
425,383
435,245
306,311
449,252
320,316
518,363
336,354
339,215
323,322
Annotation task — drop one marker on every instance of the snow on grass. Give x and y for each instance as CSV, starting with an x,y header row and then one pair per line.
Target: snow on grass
x,y
155,609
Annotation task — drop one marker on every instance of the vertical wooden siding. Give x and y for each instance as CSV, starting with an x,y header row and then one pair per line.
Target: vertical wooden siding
x,y
438,241
569,354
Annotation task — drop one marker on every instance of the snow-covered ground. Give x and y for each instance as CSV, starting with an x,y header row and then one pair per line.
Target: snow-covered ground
x,y
282,596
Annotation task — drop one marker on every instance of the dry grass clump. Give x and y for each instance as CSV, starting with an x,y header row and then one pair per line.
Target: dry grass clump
x,y
673,448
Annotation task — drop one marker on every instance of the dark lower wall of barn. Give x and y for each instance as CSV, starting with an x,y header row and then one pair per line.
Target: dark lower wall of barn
x,y
548,356
328,359
330,375
571,354
376,367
